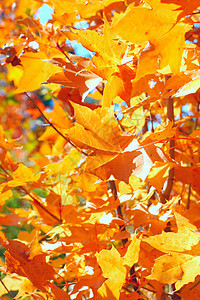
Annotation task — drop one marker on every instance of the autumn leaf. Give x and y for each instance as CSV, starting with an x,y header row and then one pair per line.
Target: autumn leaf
x,y
183,240
21,175
112,267
162,17
132,253
74,76
36,70
175,268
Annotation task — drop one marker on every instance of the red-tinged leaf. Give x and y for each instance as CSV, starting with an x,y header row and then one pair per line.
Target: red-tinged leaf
x,y
76,77
144,161
119,166
58,293
11,220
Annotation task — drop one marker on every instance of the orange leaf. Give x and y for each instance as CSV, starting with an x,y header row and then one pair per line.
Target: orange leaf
x,y
36,269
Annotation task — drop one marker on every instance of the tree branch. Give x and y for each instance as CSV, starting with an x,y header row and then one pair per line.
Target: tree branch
x,y
119,210
170,180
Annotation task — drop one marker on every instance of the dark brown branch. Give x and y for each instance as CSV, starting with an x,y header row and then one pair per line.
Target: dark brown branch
x,y
99,90
170,180
122,228
119,210
188,199
145,127
151,120
47,120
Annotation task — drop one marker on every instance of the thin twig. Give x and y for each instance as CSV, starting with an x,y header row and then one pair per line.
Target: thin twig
x,y
34,199
119,123
122,228
63,52
40,204
51,124
188,199
7,289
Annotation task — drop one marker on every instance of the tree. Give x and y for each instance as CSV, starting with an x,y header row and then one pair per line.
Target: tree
x,y
103,201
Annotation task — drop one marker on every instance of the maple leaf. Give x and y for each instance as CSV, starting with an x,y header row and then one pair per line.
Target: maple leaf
x,y
32,76
74,76
175,268
183,240
22,175
112,267
158,53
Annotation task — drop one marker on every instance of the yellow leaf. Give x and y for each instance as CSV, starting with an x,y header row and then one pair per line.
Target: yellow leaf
x,y
66,166
176,268
159,173
36,71
22,175
183,240
132,253
156,19
112,267
165,39
12,282
111,264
